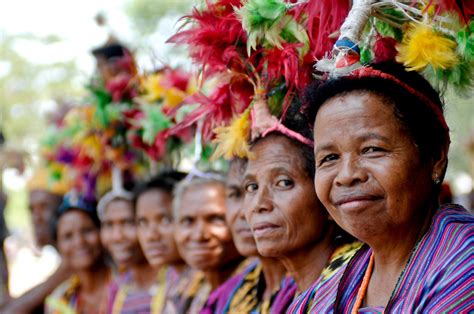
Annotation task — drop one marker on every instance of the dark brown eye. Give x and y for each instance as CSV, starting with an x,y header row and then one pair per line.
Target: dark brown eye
x,y
186,221
251,187
328,158
372,149
285,183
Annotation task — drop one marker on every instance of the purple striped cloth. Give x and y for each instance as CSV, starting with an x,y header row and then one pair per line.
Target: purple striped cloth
x,y
135,301
439,277
252,281
326,284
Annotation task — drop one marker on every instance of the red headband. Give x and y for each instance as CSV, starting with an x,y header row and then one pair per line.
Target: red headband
x,y
371,72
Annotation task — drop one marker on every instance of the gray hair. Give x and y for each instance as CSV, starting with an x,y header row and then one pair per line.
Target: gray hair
x,y
111,196
192,180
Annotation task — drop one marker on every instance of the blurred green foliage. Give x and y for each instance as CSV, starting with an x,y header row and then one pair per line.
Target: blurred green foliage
x,y
145,14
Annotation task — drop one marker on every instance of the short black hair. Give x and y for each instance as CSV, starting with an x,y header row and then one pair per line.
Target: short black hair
x,y
419,119
72,202
110,51
164,181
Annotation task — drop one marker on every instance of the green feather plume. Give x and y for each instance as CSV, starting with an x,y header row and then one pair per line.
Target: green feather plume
x,y
263,20
465,41
155,121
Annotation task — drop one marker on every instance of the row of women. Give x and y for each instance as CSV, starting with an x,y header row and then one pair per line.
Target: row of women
x,y
351,224
330,203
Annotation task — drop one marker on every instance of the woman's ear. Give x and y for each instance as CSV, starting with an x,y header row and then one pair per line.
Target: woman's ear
x,y
440,165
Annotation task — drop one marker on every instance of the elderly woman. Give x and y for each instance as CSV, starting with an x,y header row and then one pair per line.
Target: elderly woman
x,y
287,219
262,287
381,146
77,234
203,237
130,290
155,229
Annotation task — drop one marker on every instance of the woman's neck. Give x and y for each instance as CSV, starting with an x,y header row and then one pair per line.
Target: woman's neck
x,y
94,278
180,267
273,272
143,275
391,256
306,264
218,277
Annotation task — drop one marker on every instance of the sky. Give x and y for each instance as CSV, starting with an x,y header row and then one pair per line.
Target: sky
x,y
72,21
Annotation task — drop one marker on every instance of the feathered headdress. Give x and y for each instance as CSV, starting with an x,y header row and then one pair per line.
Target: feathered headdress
x,y
160,95
91,139
262,52
435,38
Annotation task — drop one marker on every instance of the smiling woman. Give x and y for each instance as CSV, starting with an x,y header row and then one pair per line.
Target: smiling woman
x,y
203,237
381,145
130,290
77,234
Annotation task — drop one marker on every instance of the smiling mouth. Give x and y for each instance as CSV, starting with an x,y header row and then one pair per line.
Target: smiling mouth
x,y
245,232
83,253
356,202
156,250
201,249
263,229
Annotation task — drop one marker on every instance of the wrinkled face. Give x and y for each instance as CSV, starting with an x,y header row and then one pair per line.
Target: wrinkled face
x,y
280,203
155,227
78,240
368,171
119,234
204,239
42,206
235,215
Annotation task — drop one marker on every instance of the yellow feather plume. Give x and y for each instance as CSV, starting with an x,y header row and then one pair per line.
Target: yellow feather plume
x,y
152,87
422,46
173,97
233,140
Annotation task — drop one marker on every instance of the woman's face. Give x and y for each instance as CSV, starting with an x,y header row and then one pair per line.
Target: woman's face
x,y
368,171
203,237
78,240
119,234
156,228
280,203
235,215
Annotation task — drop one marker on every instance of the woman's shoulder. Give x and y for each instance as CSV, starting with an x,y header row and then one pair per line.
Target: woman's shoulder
x,y
452,226
453,214
58,300
66,289
224,295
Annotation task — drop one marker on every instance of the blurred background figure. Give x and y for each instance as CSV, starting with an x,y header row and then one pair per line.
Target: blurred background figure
x,y
203,237
131,290
9,158
4,294
445,194
263,286
155,228
44,199
76,230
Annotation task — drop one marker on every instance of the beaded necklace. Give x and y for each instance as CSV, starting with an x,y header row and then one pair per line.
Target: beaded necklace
x,y
363,287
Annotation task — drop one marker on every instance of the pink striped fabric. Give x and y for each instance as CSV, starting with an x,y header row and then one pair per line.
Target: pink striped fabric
x,y
438,278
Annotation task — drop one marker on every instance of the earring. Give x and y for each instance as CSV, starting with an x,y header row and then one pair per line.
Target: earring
x,y
436,179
